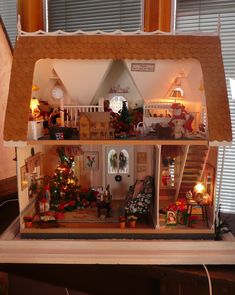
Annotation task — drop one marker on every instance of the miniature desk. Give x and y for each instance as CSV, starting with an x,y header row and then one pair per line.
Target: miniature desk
x,y
203,207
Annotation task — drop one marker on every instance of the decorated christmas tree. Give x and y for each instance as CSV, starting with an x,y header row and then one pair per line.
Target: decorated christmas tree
x,y
64,188
125,116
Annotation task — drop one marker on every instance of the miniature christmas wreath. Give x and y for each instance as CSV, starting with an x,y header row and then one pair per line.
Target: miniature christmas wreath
x,y
118,178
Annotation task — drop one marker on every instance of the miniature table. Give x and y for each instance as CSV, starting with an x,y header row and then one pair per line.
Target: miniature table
x,y
191,204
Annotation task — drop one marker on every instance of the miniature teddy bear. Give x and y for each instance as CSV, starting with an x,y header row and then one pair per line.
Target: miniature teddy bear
x,y
178,129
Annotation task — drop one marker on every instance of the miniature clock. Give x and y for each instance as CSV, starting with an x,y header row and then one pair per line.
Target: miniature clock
x,y
57,92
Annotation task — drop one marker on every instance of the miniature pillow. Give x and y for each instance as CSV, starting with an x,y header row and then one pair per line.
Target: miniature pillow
x,y
139,185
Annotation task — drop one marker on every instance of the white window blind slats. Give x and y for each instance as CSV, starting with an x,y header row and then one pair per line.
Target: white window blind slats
x,y
8,12
90,15
202,15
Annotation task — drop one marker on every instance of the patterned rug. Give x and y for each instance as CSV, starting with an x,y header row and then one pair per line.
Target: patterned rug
x,y
89,215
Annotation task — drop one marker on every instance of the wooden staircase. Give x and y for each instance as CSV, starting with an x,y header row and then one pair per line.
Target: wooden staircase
x,y
193,168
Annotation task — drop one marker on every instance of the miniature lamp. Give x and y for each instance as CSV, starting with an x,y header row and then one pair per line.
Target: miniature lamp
x,y
199,190
34,106
177,93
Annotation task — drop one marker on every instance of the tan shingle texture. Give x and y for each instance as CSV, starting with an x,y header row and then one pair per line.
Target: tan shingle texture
x,y
206,49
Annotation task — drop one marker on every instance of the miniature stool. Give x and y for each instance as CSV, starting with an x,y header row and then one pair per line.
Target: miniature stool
x,y
191,204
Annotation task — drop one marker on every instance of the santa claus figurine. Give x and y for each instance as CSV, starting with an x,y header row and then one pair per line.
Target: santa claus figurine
x,y
181,121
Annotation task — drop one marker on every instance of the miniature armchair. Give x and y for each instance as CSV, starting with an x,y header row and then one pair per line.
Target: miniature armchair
x,y
139,198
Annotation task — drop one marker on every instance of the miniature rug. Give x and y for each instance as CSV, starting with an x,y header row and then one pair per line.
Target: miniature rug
x,y
90,215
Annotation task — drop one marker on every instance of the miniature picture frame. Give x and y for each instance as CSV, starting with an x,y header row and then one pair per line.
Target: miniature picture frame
x,y
24,177
171,217
91,160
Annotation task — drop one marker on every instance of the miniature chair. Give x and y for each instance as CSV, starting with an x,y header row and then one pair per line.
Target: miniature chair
x,y
104,202
139,198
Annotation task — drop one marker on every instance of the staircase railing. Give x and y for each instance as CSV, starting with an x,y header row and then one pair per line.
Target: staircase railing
x,y
204,164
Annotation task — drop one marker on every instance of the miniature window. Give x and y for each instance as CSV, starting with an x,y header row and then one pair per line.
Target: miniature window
x,y
112,162
123,162
118,163
116,103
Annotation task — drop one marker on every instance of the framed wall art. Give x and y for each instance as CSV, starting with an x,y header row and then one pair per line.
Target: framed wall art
x,y
91,160
24,177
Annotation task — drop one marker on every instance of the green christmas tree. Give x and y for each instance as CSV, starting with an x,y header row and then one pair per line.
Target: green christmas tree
x,y
125,116
64,186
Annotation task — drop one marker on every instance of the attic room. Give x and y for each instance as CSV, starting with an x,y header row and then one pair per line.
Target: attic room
x,y
151,90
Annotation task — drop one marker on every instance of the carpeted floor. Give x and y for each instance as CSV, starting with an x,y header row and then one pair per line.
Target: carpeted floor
x,y
90,215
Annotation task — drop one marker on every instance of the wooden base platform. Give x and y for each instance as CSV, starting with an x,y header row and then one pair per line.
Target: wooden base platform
x,y
97,232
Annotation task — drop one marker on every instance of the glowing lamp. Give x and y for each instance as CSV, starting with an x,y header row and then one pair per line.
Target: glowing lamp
x,y
34,106
177,93
199,188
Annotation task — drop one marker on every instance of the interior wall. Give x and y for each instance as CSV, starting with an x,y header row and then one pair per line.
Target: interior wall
x,y
119,75
157,163
22,154
87,178
85,81
92,178
143,168
8,166
160,82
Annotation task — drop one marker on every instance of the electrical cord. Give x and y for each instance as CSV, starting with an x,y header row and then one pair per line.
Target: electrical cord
x,y
7,201
209,279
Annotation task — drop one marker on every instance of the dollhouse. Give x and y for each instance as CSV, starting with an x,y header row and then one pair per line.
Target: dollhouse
x,y
95,125
150,145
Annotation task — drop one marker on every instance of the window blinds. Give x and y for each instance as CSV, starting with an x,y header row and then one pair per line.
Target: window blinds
x,y
8,11
195,15
89,15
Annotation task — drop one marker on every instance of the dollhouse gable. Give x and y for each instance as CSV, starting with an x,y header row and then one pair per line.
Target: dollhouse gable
x,y
137,48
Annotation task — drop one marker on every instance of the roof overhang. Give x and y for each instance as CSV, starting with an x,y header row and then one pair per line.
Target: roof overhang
x,y
205,49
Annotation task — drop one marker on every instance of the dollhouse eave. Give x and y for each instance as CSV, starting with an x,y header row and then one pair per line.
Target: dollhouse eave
x,y
205,49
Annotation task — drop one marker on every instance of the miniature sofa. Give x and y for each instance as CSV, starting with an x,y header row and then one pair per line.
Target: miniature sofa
x,y
139,198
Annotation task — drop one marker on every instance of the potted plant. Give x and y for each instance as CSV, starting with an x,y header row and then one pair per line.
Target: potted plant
x,y
132,219
122,222
28,220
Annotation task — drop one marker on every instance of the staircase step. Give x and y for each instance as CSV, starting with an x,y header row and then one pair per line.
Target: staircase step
x,y
192,170
198,147
167,191
190,175
187,186
196,157
190,180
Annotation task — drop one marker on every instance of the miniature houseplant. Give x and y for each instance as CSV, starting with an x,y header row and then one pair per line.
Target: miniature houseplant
x,y
122,222
132,219
28,220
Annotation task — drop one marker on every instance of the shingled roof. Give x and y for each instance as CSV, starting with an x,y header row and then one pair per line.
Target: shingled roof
x,y
206,49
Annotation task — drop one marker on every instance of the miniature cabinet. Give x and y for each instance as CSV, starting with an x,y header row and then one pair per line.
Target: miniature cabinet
x,y
35,129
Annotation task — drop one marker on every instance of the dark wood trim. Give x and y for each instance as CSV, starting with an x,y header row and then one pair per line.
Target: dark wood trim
x,y
157,15
31,15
